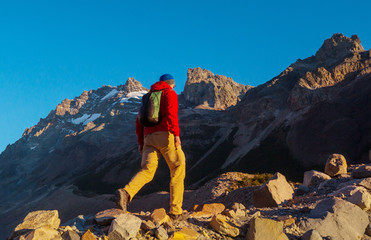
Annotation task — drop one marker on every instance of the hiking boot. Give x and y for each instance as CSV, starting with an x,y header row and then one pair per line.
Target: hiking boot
x,y
179,217
122,199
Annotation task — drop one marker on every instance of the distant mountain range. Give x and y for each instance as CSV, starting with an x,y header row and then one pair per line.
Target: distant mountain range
x,y
86,148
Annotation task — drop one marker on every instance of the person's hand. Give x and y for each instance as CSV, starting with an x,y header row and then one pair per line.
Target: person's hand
x,y
177,141
140,149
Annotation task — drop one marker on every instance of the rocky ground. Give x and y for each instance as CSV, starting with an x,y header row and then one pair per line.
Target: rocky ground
x,y
334,204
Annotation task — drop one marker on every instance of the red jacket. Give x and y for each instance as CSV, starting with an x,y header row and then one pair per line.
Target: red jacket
x,y
168,113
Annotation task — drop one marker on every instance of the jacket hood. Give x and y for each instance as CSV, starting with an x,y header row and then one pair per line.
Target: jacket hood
x,y
161,85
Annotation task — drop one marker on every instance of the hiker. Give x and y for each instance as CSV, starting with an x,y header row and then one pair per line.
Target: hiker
x,y
154,141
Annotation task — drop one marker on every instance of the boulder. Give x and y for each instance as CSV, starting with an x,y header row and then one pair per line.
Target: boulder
x,y
70,235
159,216
42,233
213,208
185,233
219,223
240,206
235,213
366,183
337,219
311,235
363,171
39,219
125,226
263,229
148,225
361,198
104,218
88,235
313,178
274,192
345,191
335,165
161,233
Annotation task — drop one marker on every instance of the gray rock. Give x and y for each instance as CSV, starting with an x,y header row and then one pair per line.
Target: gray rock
x,y
125,226
274,192
70,235
239,206
301,190
161,233
311,235
366,183
335,165
363,171
337,219
361,198
105,217
313,178
346,191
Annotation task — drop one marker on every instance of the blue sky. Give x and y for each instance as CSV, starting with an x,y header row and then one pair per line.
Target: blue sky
x,y
52,50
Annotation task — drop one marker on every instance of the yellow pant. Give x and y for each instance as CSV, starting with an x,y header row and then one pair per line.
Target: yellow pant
x,y
155,144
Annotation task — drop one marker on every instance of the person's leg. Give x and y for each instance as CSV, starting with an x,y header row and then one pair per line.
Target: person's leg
x,y
175,159
150,157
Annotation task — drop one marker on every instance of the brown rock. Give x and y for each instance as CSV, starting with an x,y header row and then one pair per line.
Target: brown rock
x,y
287,220
363,171
236,206
161,233
105,217
274,192
219,223
147,225
39,219
235,213
159,216
70,235
205,90
313,178
42,233
199,215
264,229
213,208
185,233
335,165
361,198
88,235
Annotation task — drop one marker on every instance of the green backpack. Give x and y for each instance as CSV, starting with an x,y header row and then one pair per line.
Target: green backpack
x,y
149,111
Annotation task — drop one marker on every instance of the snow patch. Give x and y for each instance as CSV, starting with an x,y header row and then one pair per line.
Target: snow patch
x,y
110,94
133,95
86,118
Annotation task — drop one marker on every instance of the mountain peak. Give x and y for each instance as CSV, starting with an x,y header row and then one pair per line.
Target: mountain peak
x,y
133,85
205,90
337,47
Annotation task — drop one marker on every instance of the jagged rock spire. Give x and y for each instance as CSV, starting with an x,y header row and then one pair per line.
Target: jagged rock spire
x,y
337,47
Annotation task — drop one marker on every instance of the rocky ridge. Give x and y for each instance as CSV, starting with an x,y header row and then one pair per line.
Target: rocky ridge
x,y
334,208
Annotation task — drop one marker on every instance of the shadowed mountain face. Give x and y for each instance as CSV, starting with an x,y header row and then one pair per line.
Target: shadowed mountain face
x,y
87,146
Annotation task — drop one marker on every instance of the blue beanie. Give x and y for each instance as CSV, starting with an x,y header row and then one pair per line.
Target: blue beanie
x,y
167,78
